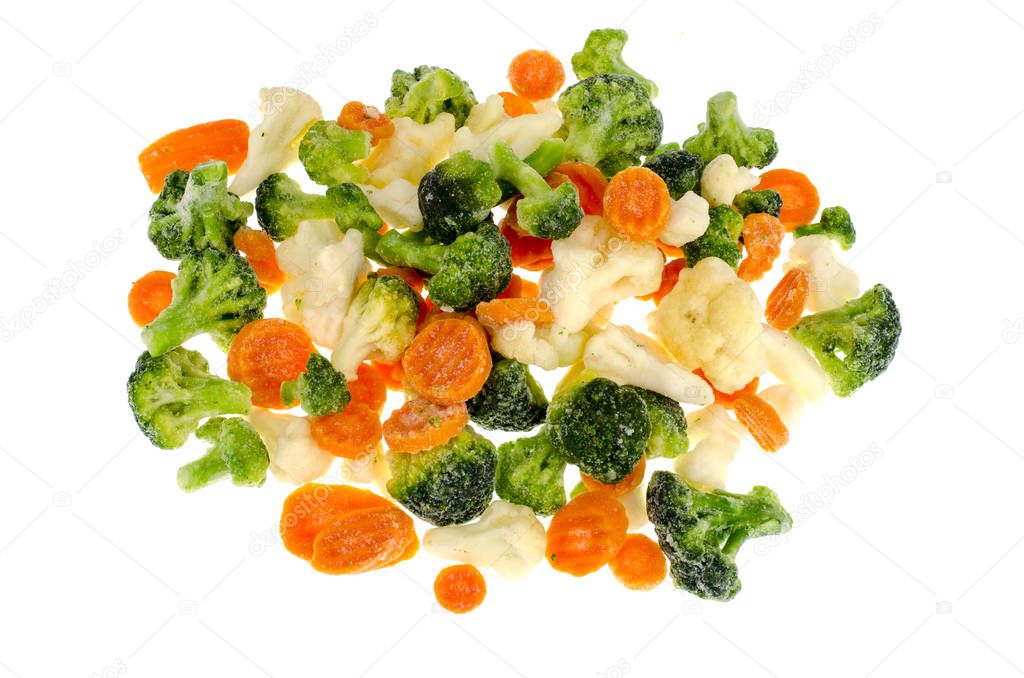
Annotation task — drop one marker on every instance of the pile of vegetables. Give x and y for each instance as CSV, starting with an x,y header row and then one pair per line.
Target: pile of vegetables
x,y
447,247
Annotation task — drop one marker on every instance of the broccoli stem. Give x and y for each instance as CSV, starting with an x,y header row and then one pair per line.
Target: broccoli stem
x,y
371,240
170,329
202,472
509,167
220,396
411,251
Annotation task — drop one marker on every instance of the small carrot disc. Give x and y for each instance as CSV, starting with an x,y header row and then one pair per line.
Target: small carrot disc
x,y
621,488
259,251
266,353
448,361
499,312
363,540
356,115
637,204
460,588
150,295
516,105
421,425
786,302
640,564
763,422
762,239
586,533
536,74
369,387
353,432
800,200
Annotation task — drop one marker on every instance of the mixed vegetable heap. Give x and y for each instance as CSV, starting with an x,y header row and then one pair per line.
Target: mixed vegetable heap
x,y
454,246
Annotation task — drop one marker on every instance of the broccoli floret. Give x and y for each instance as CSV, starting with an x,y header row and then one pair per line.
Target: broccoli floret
x,y
680,169
722,239
602,53
835,223
545,212
321,389
725,132
236,450
548,155
328,150
456,196
610,121
195,211
664,148
281,205
511,399
170,394
449,484
600,427
701,532
668,425
855,342
213,293
758,202
380,323
426,93
476,267
531,473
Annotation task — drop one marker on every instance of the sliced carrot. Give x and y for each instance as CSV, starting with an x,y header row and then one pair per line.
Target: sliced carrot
x,y
536,74
762,239
183,149
392,374
528,252
589,182
460,588
265,354
504,311
727,400
763,422
421,425
363,540
369,387
786,302
640,564
670,251
259,251
150,295
621,488
637,204
356,115
586,533
516,105
351,433
669,278
313,506
448,361
799,196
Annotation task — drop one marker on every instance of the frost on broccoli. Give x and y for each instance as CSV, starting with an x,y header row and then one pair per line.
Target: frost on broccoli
x,y
531,472
835,223
427,92
668,425
328,150
602,53
545,212
679,169
236,450
724,132
758,202
456,196
511,399
380,323
721,239
321,389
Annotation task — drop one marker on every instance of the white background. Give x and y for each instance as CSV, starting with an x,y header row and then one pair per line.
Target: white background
x,y
908,564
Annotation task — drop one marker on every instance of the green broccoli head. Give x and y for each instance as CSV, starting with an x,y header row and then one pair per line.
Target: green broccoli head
x,y
380,323
511,399
328,150
321,389
449,484
855,342
668,425
722,239
281,205
214,293
701,532
236,451
602,53
758,202
531,472
544,212
600,427
835,223
725,132
195,211
610,121
456,196
170,394
426,93
547,156
680,169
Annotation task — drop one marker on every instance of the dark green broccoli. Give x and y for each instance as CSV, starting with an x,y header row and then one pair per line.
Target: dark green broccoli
x,y
531,473
321,389
701,532
380,323
511,399
668,425
426,93
456,196
725,132
602,53
195,211
548,155
835,223
545,212
600,427
213,293
328,150
610,121
170,394
855,342
476,267
758,202
449,484
722,239
680,169
236,450
281,205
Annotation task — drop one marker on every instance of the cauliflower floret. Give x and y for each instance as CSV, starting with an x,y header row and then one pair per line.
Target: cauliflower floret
x,y
324,269
488,123
712,320
411,150
595,267
629,358
635,503
830,283
546,346
294,455
687,220
793,364
723,179
508,539
718,437
786,401
274,142
398,204
360,469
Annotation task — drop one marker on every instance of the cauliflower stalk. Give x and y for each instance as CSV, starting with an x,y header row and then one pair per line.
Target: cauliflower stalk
x,y
411,151
545,346
397,203
830,283
688,219
786,401
793,364
723,180
294,455
488,124
719,435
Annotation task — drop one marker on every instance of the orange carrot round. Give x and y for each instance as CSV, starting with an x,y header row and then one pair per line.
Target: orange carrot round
x,y
586,533
536,74
528,252
799,196
637,203
421,425
516,105
266,353
763,422
786,302
589,182
313,506
363,540
509,310
640,564
448,361
259,251
150,295
762,239
356,115
226,140
351,433
369,387
460,588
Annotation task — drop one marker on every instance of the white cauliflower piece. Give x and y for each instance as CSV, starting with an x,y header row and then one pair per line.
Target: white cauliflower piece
x,y
723,179
508,538
595,267
786,401
274,142
398,204
635,503
324,269
546,346
411,150
629,358
793,364
360,469
712,320
488,123
830,282
715,438
294,455
687,220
